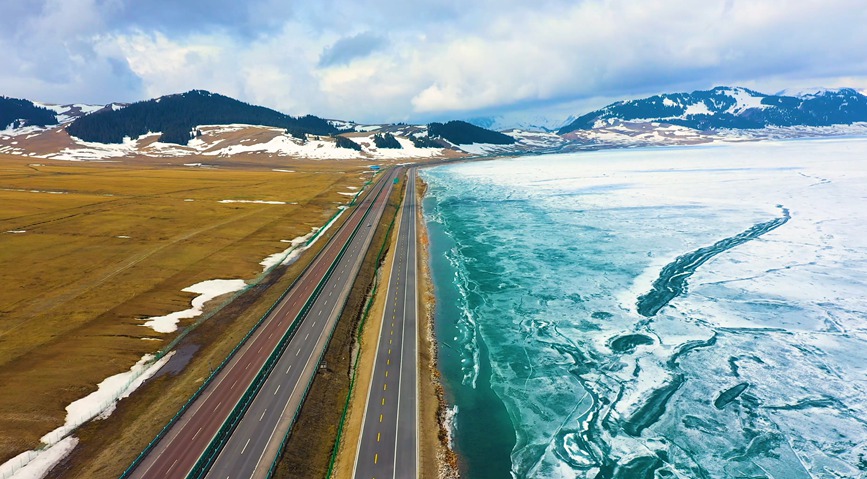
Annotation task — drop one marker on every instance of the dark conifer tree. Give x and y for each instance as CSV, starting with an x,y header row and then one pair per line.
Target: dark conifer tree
x,y
24,113
343,142
386,141
463,133
425,142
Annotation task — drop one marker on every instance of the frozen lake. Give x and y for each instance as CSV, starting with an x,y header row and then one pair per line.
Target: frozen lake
x,y
665,312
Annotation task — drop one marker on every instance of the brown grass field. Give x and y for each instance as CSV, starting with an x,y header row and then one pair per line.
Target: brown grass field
x,y
74,291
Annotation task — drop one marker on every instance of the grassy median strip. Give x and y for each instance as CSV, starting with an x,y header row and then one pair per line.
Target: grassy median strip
x,y
358,339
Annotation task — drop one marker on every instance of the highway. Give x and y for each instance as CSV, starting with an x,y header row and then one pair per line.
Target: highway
x,y
257,440
388,447
270,415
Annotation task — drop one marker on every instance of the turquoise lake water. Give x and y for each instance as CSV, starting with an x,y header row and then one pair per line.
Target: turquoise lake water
x,y
744,358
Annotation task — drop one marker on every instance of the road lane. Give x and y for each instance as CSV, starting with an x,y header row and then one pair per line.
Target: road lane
x,y
180,448
388,447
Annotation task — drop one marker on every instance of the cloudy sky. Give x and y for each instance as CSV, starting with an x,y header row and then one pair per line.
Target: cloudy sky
x,y
394,60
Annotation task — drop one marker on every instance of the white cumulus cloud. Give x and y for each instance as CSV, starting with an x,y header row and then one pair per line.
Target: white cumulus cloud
x,y
385,60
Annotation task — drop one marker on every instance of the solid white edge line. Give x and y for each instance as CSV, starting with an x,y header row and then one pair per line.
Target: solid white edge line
x,y
274,430
270,438
195,408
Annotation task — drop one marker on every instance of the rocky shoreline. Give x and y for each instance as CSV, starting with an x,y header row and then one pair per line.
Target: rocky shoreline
x,y
434,408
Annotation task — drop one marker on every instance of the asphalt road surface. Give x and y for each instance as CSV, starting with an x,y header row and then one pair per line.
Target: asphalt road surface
x,y
389,436
180,448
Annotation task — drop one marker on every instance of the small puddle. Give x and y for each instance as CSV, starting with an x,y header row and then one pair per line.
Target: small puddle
x,y
178,361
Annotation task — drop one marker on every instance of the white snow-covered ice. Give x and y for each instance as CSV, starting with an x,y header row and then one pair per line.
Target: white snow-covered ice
x,y
757,369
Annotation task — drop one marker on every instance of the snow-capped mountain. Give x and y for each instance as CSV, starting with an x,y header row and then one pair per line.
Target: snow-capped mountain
x,y
537,123
17,114
732,107
68,113
208,125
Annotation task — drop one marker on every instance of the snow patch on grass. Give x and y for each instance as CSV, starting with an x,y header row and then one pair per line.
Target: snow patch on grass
x,y
207,290
36,464
298,245
99,404
289,254
258,202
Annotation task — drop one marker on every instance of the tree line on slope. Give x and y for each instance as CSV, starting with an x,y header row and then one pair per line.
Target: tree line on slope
x,y
16,112
463,133
176,116
344,142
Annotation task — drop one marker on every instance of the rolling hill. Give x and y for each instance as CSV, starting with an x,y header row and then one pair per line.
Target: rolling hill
x,y
176,117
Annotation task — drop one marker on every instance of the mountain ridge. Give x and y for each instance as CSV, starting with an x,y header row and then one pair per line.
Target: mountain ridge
x,y
732,107
170,126
176,116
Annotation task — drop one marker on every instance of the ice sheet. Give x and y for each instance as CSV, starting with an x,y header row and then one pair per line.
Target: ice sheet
x,y
756,369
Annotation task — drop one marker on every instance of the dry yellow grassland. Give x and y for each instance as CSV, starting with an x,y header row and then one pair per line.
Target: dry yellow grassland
x,y
74,288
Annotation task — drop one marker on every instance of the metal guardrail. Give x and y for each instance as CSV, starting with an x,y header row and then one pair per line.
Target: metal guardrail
x,y
128,471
